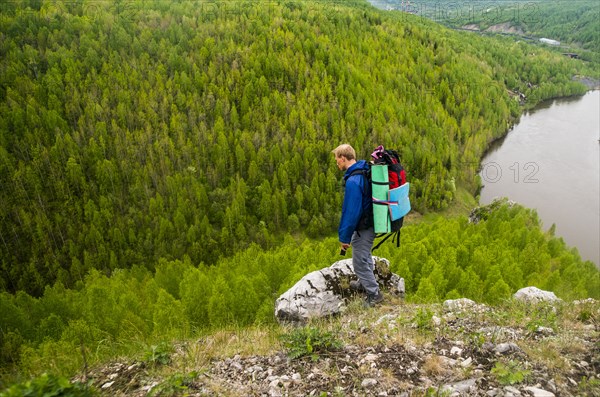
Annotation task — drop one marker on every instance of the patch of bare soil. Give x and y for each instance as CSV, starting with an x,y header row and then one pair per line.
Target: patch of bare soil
x,y
505,27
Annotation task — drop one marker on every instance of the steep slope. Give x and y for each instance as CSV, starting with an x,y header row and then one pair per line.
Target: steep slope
x,y
138,131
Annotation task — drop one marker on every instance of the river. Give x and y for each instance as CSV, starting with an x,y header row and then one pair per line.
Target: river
x,y
550,161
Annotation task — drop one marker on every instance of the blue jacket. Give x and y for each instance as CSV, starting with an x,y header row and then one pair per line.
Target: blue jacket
x,y
355,202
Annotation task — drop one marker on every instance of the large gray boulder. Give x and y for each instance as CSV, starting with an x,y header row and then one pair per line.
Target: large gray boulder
x,y
535,295
325,292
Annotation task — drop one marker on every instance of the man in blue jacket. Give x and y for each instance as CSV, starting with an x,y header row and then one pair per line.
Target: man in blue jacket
x,y
356,225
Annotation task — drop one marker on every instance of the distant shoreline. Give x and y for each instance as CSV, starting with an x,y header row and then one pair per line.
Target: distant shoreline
x,y
590,83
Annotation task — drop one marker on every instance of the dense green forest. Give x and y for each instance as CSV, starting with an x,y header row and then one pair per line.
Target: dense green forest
x,y
440,258
132,133
573,23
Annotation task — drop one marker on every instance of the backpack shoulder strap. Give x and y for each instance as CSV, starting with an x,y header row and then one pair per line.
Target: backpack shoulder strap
x,y
365,174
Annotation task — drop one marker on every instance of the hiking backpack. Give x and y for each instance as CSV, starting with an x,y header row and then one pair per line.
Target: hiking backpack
x,y
396,175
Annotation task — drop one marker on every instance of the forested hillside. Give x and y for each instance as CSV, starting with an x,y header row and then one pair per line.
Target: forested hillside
x,y
573,23
135,310
131,132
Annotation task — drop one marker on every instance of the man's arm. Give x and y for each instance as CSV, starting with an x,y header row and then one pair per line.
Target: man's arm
x,y
351,211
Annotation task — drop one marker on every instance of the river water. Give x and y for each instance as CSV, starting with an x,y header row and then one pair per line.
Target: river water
x,y
550,161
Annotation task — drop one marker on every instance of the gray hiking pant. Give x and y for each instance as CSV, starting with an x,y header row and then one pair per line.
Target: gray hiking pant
x,y
362,261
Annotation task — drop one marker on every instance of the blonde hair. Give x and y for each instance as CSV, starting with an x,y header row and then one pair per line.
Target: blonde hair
x,y
346,151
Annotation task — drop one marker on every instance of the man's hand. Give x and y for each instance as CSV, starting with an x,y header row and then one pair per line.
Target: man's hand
x,y
345,246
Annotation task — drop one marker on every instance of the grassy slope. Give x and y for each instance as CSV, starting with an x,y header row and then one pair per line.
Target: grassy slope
x,y
398,337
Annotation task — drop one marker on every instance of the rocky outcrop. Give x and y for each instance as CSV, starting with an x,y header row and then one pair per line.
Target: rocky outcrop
x,y
324,292
482,213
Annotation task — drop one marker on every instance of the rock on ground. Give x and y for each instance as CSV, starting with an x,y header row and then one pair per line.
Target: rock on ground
x,y
323,293
535,295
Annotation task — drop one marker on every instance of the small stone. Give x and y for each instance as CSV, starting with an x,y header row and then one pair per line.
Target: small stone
x,y
447,361
107,385
539,392
150,386
368,382
456,351
487,346
258,368
387,317
512,390
464,387
573,382
275,392
401,287
237,366
544,331
584,301
504,348
371,357
466,362
296,377
277,359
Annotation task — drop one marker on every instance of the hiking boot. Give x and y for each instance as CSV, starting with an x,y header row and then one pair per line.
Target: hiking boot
x,y
373,300
356,286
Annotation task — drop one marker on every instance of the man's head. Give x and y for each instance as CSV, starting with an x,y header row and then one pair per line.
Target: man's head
x,y
345,156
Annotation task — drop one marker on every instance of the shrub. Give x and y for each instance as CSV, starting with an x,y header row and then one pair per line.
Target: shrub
x,y
158,354
423,319
48,385
310,341
510,373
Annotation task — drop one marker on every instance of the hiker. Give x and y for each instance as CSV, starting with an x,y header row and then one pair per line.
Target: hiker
x,y
356,224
